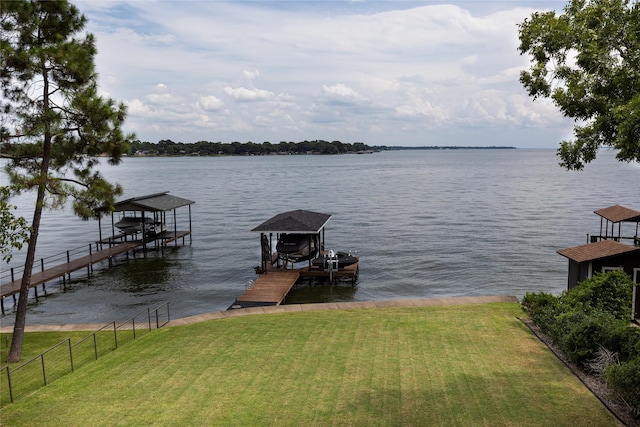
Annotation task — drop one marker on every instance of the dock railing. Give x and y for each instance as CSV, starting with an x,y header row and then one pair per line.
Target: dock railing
x,y
42,264
634,240
65,357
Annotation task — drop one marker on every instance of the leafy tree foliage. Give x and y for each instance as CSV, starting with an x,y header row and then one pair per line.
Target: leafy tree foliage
x,y
54,123
587,61
205,148
14,231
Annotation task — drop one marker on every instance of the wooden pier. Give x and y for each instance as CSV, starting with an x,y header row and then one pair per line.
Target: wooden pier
x,y
116,247
269,289
272,287
300,237
61,270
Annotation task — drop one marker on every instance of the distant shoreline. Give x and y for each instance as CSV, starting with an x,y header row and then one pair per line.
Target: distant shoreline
x,y
450,147
207,148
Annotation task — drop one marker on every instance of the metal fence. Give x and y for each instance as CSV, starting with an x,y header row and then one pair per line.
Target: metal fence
x,y
66,357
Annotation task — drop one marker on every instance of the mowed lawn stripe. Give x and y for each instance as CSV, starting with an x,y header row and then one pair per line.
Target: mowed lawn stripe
x,y
447,366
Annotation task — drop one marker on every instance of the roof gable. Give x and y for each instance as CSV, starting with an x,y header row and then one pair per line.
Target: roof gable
x,y
617,213
596,251
157,202
299,221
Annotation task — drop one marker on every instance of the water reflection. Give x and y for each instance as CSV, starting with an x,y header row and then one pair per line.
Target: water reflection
x,y
319,291
143,276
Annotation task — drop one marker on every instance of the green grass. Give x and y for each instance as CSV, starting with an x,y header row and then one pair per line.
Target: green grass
x,y
468,365
36,342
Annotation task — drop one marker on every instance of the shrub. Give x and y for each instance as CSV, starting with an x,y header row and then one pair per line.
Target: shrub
x,y
542,308
532,302
624,340
591,325
586,335
565,322
624,381
608,292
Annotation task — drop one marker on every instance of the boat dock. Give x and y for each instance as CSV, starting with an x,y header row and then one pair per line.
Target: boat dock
x,y
300,240
269,289
140,209
61,270
272,287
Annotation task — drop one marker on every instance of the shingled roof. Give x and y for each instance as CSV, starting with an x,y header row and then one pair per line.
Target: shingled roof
x,y
157,202
298,222
617,213
599,250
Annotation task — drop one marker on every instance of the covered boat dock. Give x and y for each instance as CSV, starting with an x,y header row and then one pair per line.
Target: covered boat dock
x,y
617,215
307,226
300,237
159,210
153,207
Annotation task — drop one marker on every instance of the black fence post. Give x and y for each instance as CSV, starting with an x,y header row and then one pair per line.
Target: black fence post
x,y
95,345
68,261
71,354
44,371
9,384
115,334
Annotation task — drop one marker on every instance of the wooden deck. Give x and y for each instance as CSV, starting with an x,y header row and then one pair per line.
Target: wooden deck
x,y
39,278
272,287
269,289
350,271
117,246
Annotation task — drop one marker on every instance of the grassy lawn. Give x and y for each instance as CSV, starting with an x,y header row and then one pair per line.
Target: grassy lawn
x,y
424,366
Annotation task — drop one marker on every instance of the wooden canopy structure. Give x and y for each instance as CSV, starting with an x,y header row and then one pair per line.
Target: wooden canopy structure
x,y
158,202
300,222
155,206
617,214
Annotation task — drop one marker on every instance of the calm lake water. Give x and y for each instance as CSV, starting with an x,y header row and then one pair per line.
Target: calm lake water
x,y
424,223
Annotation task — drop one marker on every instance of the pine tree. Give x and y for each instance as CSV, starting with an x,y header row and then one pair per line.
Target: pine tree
x,y
54,123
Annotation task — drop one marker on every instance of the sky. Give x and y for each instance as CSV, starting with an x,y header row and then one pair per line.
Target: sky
x,y
410,73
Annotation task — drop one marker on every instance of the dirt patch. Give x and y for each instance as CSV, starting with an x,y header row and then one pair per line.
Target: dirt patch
x,y
593,383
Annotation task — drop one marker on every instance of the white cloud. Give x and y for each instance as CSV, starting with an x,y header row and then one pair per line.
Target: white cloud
x,y
244,94
364,71
210,103
340,94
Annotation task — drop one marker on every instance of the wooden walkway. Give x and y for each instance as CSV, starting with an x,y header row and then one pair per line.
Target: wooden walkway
x,y
42,277
269,289
272,287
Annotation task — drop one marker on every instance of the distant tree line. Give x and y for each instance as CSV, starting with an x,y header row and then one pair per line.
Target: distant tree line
x,y
167,147
449,147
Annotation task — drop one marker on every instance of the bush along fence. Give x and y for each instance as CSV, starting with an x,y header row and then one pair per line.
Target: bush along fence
x,y
590,323
66,357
